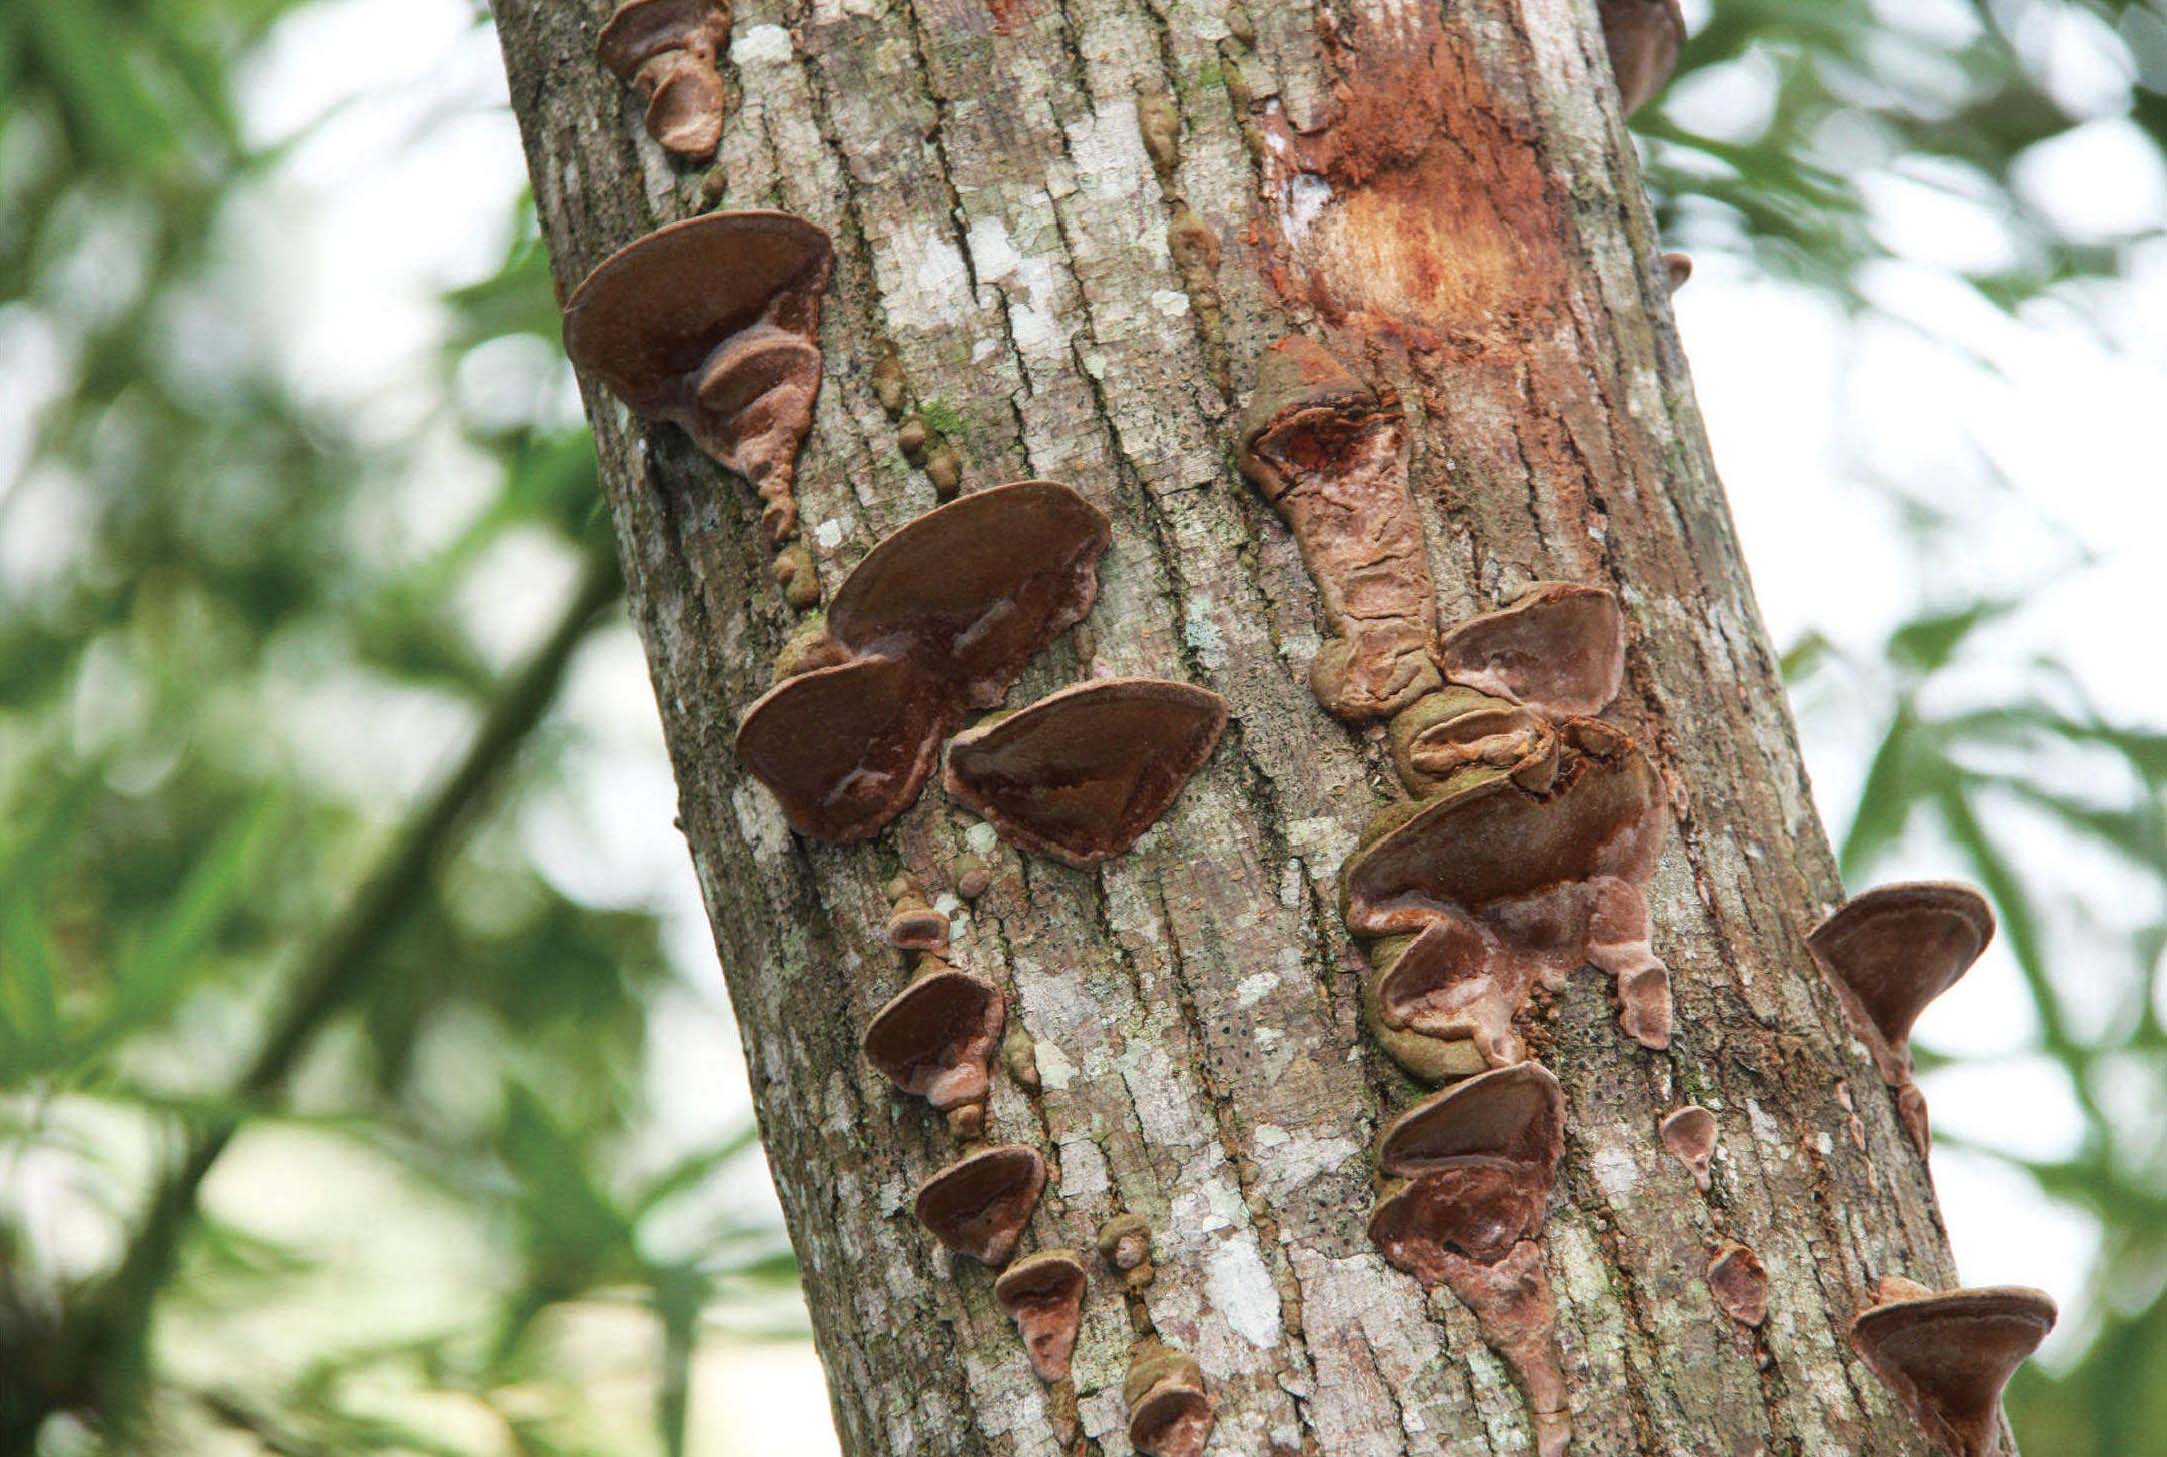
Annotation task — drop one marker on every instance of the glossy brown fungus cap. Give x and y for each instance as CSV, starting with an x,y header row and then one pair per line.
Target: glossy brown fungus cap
x,y
640,30
973,590
1947,1357
1479,1160
979,1204
1169,1409
1739,1282
1690,1136
1044,1295
1894,949
936,1037
1559,648
1460,728
710,324
1643,38
913,923
845,749
1080,774
1450,986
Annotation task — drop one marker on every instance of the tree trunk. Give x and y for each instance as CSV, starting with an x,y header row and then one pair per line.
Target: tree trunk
x,y
1447,199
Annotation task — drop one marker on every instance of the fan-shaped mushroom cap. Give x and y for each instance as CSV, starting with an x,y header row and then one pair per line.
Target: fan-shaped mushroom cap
x,y
1894,949
1169,1411
936,1037
913,923
640,30
1459,728
1044,1294
972,590
1739,1282
845,748
1643,38
1947,1357
979,1204
708,323
1479,1158
1451,991
1559,649
1486,844
1690,1135
1081,773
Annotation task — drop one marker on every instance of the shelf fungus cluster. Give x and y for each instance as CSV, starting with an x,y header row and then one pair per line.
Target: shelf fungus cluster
x,y
1948,1356
665,50
712,324
1888,953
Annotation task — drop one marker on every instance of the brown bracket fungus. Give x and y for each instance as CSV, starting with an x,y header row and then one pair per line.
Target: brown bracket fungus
x,y
1739,1282
1330,457
1643,38
1948,1356
936,1039
711,324
1690,1135
1559,648
1044,1294
1459,728
1677,271
913,924
1890,952
665,50
1169,1409
938,618
979,1204
1478,1161
1081,773
1526,885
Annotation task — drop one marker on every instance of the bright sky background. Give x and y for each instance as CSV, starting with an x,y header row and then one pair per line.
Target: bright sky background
x,y
2041,434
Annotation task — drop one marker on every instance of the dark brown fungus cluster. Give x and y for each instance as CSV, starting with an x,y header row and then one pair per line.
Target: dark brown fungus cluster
x,y
666,50
1472,1169
1044,1294
936,1039
1739,1282
1690,1135
1330,456
979,1204
1478,892
1169,1409
711,324
1558,647
1890,952
1643,38
939,618
1947,1357
1081,773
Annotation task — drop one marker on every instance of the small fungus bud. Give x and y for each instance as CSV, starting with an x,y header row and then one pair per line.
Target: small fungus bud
x,y
1677,268
1948,1357
1169,1409
979,1204
967,1121
665,50
1690,1135
797,576
1330,457
1739,1282
1019,1054
1044,1295
1080,774
911,437
1125,1241
1160,125
807,648
1559,648
972,876
889,385
711,324
944,468
1643,38
1240,26
913,924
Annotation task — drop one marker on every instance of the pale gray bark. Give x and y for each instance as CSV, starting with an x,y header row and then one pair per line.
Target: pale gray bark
x,y
1001,225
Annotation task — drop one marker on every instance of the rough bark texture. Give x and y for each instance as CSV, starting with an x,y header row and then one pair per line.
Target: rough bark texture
x,y
1447,198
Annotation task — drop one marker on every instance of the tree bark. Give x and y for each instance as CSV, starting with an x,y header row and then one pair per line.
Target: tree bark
x,y
1447,198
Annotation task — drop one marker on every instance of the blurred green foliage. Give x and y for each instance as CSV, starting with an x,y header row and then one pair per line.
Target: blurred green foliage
x,y
214,953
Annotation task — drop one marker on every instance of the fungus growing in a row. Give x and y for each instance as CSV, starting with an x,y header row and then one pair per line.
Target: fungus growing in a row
x,y
1643,38
1460,728
979,1204
1125,1244
1739,1282
1169,1409
939,618
1477,1162
1044,1294
1947,1357
710,324
1081,773
1888,953
913,923
935,1039
665,50
1559,648
1690,1135
1526,886
1330,457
